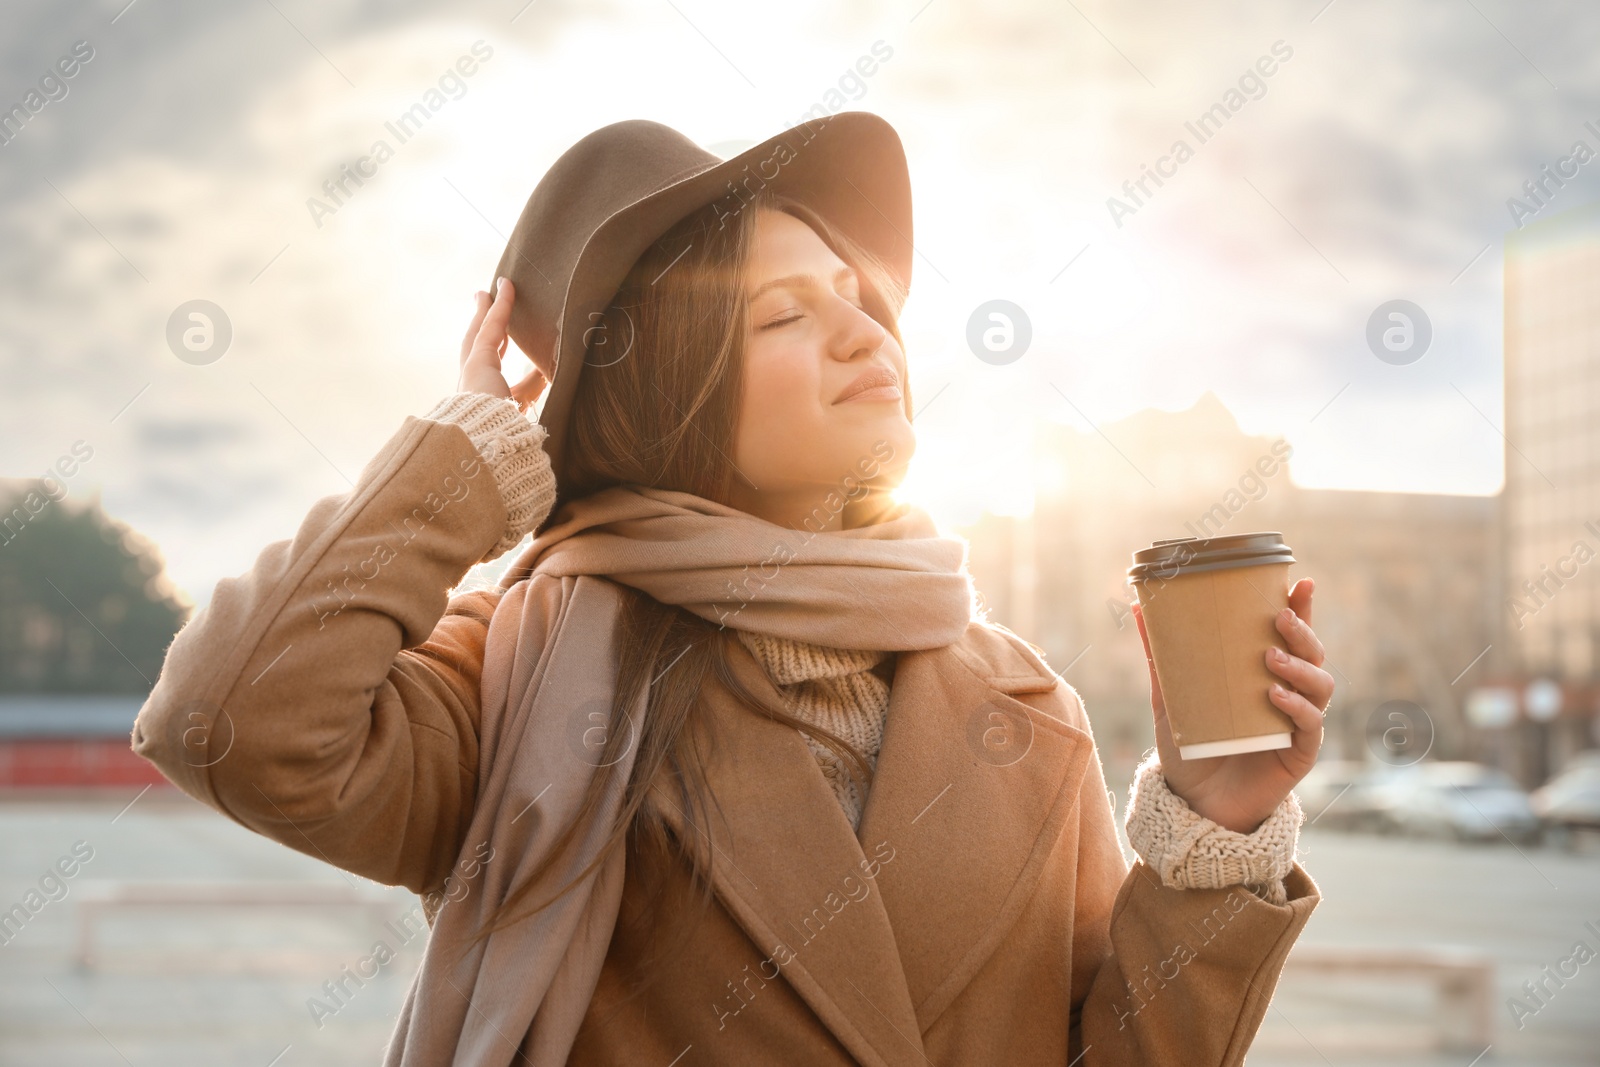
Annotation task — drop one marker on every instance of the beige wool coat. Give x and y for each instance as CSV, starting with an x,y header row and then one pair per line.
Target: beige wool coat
x,y
984,913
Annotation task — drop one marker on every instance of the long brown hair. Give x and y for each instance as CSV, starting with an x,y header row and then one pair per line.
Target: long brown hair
x,y
657,406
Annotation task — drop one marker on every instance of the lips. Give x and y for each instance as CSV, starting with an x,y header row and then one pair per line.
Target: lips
x,y
878,383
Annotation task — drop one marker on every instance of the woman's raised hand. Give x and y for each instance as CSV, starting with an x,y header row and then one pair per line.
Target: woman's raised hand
x,y
484,347
1239,792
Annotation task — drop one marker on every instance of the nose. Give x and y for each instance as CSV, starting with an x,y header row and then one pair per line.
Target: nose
x,y
858,335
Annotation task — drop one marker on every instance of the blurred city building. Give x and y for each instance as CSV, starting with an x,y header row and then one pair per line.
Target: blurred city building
x,y
1405,582
1544,710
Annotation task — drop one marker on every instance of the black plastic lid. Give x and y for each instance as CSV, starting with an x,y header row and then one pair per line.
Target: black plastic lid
x,y
1165,560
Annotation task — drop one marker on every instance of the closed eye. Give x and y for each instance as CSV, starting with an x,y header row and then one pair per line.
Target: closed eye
x,y
796,317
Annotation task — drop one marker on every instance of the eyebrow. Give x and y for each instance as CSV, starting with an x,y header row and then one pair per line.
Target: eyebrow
x,y
799,281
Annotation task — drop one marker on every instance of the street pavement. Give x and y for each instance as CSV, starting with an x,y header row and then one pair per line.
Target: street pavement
x,y
179,986
1525,907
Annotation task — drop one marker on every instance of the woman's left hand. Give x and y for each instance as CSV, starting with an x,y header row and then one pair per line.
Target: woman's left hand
x,y
1239,792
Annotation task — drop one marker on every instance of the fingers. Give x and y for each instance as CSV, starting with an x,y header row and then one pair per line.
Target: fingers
x,y
1308,721
1300,599
480,360
491,337
1302,669
1314,682
528,389
1299,636
480,303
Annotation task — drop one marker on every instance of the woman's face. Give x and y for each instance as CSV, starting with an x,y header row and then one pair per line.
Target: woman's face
x,y
809,424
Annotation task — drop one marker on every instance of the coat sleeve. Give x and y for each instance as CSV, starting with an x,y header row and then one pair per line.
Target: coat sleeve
x,y
328,698
1165,975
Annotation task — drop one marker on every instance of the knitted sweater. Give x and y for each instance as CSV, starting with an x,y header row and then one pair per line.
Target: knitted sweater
x,y
842,690
846,691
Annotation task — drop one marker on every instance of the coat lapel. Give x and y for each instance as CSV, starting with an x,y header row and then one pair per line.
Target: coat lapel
x,y
973,788
879,933
789,869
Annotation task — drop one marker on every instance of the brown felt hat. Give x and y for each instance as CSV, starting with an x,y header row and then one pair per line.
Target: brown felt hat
x,y
614,193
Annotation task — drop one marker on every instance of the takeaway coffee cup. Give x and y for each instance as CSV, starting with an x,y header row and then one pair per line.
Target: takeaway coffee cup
x,y
1209,605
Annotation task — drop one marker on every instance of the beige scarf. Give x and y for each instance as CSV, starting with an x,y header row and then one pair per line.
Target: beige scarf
x,y
895,584
889,586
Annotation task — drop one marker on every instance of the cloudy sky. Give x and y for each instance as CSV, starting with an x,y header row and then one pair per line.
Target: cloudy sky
x,y
1374,164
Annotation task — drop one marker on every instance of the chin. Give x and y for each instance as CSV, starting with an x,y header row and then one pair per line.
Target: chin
x,y
879,455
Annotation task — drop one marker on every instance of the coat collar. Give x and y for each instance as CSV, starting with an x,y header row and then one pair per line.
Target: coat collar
x,y
879,933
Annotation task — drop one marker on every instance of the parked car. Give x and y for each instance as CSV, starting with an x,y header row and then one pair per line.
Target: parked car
x,y
1346,794
1366,805
1325,789
1456,799
1570,802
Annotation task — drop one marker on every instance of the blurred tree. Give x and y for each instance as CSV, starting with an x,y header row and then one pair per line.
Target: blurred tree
x,y
85,605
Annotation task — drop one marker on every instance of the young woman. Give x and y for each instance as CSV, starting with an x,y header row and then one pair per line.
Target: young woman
x,y
727,768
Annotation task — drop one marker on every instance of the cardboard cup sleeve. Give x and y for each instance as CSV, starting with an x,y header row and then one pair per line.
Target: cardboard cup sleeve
x,y
1209,606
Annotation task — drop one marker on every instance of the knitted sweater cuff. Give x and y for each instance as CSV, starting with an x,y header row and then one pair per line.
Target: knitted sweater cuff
x,y
1190,851
512,445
